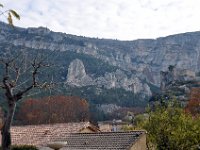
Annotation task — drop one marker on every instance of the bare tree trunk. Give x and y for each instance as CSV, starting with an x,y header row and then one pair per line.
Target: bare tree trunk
x,y
6,136
12,94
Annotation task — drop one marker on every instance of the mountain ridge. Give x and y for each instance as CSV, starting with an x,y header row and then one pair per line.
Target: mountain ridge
x,y
97,38
139,62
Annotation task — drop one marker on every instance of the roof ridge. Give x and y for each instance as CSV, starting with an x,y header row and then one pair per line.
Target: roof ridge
x,y
119,132
52,124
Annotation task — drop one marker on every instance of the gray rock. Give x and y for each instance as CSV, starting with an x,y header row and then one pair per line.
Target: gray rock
x,y
138,61
77,77
76,74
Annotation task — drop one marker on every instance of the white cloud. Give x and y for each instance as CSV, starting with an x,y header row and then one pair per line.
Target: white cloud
x,y
121,19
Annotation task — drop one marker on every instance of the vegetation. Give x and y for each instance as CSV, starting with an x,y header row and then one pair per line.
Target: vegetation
x,y
10,13
193,106
24,147
58,71
97,95
52,109
170,128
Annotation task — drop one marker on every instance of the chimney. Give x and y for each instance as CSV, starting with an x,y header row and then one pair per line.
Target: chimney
x,y
114,126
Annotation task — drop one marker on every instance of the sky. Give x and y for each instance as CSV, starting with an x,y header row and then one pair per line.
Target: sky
x,y
115,19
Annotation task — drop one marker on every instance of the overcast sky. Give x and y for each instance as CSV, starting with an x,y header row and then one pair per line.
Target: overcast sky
x,y
116,19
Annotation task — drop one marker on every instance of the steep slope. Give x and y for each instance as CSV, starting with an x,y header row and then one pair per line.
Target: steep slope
x,y
132,66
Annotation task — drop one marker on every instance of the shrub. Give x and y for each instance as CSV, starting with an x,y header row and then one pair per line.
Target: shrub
x,y
169,127
24,147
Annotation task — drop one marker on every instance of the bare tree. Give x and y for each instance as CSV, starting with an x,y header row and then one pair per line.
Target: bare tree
x,y
15,84
19,76
8,85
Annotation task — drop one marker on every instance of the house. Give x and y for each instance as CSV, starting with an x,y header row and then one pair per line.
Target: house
x,y
77,136
133,140
108,126
46,133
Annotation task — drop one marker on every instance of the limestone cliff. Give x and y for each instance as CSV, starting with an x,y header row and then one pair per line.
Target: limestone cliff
x,y
138,62
178,82
77,75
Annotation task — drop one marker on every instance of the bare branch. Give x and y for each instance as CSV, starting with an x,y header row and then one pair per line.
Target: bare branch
x,y
2,86
9,65
19,95
9,14
8,88
16,70
6,69
24,82
36,66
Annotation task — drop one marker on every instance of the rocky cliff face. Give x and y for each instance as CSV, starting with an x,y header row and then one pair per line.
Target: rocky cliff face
x,y
77,77
76,74
179,83
138,62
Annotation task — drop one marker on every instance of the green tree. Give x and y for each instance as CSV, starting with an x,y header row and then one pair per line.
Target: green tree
x,y
170,128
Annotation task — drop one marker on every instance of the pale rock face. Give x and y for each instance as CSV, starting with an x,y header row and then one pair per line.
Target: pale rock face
x,y
57,37
77,75
143,58
180,75
139,87
147,90
39,30
108,108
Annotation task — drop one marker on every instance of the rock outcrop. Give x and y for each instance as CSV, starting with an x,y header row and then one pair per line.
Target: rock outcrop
x,y
139,62
178,82
77,77
76,74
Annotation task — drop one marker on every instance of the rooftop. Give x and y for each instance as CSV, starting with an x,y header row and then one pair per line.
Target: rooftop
x,y
46,133
102,140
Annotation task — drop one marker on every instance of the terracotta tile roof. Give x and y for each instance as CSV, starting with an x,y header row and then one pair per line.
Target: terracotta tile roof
x,y
101,141
43,134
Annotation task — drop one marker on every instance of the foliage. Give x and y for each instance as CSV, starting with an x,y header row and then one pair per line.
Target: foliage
x,y
171,68
169,127
97,95
97,114
92,65
54,109
137,122
125,113
24,147
58,73
10,13
193,105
